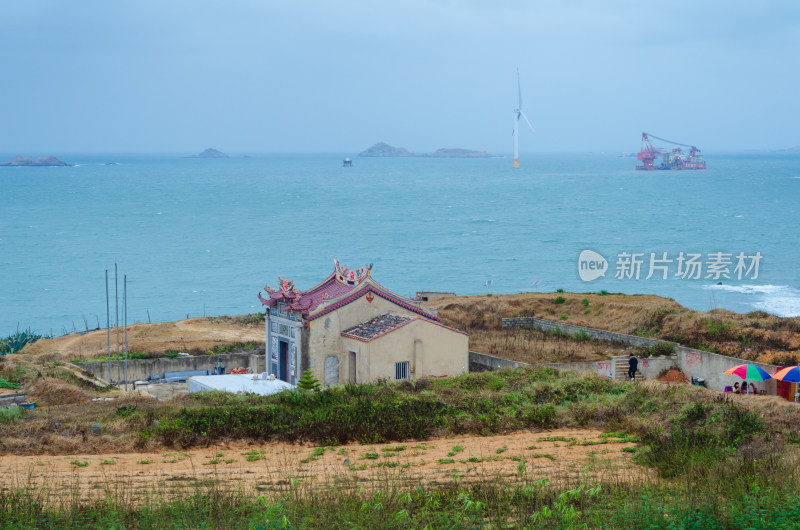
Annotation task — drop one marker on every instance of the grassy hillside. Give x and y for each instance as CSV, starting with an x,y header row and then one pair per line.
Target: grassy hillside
x,y
753,336
707,459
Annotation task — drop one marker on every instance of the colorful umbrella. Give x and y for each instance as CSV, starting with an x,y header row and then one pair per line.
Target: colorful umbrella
x,y
790,375
749,372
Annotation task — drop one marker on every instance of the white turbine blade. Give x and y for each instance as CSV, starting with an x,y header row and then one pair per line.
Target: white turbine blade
x,y
519,90
527,121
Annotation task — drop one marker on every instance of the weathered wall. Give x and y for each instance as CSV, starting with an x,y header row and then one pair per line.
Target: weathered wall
x,y
598,334
326,339
140,369
694,363
362,350
8,400
441,351
709,366
481,362
650,367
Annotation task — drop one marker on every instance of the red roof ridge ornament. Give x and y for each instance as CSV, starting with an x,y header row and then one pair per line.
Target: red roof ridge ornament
x,y
351,277
340,288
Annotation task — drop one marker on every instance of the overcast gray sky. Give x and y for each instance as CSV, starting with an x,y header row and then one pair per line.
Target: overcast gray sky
x,y
337,76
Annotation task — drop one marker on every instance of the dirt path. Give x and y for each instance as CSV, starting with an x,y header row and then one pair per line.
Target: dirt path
x,y
565,454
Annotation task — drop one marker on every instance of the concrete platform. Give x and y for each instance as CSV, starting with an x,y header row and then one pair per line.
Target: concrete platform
x,y
238,384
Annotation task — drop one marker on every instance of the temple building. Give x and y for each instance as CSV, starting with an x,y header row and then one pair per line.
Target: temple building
x,y
351,329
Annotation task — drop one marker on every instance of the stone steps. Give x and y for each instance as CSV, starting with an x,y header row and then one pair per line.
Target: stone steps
x,y
621,370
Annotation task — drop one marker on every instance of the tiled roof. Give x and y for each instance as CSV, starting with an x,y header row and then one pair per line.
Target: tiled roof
x,y
330,288
378,326
335,292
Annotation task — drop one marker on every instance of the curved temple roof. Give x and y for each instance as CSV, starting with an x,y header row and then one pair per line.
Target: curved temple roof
x,y
337,290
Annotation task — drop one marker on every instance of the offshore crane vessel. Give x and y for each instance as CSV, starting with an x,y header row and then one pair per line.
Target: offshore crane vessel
x,y
673,158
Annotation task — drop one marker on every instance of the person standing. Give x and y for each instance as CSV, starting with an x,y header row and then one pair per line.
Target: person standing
x,y
633,365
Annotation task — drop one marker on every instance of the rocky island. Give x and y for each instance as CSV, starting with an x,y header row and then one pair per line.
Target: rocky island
x,y
459,153
210,153
382,149
45,161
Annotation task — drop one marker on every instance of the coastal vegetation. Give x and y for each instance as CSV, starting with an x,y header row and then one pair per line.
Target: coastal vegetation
x,y
700,459
17,341
686,456
755,336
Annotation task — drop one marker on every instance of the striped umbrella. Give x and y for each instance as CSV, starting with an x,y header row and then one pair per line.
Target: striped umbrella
x,y
749,372
790,375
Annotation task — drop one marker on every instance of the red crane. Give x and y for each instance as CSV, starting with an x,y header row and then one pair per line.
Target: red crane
x,y
671,158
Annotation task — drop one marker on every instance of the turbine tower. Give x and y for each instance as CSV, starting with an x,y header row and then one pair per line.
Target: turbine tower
x,y
517,114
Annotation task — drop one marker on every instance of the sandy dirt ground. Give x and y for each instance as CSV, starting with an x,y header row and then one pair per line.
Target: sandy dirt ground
x,y
568,455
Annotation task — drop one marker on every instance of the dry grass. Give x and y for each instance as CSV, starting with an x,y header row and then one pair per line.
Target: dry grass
x,y
753,336
51,391
193,335
65,429
405,465
531,346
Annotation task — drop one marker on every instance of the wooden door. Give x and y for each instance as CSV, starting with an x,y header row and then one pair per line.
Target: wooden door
x,y
283,361
352,364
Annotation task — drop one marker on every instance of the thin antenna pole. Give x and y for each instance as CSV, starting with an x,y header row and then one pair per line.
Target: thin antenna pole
x,y
108,329
125,319
116,322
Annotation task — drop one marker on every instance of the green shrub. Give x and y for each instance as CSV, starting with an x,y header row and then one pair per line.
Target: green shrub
x,y
559,300
662,348
717,330
703,436
581,335
8,384
10,415
308,381
17,341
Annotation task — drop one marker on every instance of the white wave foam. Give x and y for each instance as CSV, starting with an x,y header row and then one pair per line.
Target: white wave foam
x,y
780,300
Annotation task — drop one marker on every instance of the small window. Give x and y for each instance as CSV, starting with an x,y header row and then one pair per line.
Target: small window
x,y
401,370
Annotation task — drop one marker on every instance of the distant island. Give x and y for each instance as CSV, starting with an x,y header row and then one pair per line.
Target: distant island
x,y
459,153
382,149
210,153
385,150
44,161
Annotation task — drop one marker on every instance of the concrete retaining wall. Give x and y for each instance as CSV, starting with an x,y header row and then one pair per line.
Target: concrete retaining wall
x,y
597,334
694,363
583,368
481,362
140,369
649,367
709,366
8,400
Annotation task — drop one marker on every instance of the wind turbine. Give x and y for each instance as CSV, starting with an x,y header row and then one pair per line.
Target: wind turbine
x,y
517,113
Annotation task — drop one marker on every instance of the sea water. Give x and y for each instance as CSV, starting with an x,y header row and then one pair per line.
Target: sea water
x,y
203,236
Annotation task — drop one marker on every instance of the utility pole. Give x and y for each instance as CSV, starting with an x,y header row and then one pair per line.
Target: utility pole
x,y
125,319
108,329
116,322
